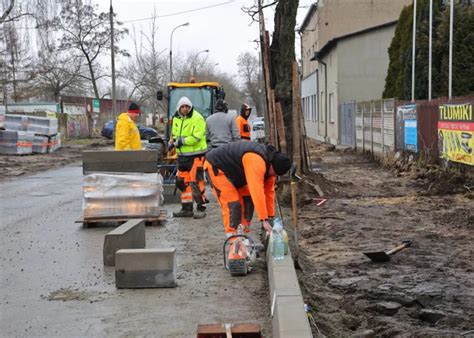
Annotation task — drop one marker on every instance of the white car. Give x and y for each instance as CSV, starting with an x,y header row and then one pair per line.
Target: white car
x,y
258,130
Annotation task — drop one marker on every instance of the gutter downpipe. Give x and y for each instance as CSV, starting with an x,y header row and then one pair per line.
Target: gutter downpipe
x,y
325,99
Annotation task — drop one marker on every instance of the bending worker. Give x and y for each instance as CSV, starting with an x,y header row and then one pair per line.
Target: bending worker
x,y
127,136
188,136
242,175
242,122
220,127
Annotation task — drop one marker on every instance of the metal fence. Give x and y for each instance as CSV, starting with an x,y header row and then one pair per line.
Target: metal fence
x,y
375,126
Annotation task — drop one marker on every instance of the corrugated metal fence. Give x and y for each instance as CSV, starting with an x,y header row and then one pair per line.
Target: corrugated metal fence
x,y
374,121
381,126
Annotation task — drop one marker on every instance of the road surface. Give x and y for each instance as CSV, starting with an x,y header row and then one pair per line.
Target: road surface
x,y
53,281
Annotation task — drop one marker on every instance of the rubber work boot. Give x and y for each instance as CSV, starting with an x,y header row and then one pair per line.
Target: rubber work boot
x,y
199,214
186,210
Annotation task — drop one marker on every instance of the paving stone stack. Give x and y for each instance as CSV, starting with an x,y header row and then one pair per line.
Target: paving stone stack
x,y
122,194
41,132
14,142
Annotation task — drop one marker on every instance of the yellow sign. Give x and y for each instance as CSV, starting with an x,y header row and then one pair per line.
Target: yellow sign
x,y
456,133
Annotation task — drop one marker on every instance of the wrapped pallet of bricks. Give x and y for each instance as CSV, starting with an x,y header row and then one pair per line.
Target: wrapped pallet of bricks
x,y
13,142
40,144
122,195
16,122
54,143
38,125
43,125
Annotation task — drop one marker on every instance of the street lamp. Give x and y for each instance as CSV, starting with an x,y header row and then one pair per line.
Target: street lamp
x,y
197,59
171,49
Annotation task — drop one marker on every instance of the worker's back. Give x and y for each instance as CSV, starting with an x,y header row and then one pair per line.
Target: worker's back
x,y
221,129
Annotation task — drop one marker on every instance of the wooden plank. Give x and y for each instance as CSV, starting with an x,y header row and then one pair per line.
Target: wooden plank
x,y
160,217
243,330
280,127
142,161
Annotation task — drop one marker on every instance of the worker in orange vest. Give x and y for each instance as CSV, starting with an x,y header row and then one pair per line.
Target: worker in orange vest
x,y
242,175
242,122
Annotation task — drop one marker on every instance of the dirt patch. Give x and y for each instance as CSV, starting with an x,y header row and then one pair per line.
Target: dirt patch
x,y
426,289
12,166
70,294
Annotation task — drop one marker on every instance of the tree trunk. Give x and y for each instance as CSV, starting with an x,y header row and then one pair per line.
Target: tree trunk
x,y
93,80
282,56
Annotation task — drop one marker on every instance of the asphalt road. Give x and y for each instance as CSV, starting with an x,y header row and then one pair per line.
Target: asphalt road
x,y
53,282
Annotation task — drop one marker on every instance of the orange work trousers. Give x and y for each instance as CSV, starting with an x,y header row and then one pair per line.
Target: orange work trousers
x,y
236,203
190,180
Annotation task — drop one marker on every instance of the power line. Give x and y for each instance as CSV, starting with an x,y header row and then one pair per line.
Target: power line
x,y
161,16
182,12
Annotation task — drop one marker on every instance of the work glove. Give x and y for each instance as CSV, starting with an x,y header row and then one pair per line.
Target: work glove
x,y
267,226
171,144
180,142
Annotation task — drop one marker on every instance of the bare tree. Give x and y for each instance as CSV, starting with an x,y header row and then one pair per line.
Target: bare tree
x,y
88,32
249,72
282,55
147,70
55,72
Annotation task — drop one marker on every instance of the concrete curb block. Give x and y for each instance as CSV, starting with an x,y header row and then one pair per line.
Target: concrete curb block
x,y
130,235
145,268
287,307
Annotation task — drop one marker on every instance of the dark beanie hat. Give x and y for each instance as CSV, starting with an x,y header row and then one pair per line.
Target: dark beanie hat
x,y
221,105
281,163
134,107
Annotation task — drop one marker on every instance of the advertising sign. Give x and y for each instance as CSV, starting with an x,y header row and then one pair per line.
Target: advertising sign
x,y
456,133
96,105
410,131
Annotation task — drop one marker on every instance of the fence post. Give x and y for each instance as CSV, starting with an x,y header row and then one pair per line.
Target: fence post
x,y
382,125
371,127
362,105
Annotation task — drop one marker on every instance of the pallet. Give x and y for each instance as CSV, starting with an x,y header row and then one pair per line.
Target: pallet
x,y
97,221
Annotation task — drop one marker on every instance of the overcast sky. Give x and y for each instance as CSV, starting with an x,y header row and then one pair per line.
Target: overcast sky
x,y
220,26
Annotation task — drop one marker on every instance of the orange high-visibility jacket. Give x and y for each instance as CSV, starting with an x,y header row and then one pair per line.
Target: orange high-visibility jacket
x,y
262,190
244,127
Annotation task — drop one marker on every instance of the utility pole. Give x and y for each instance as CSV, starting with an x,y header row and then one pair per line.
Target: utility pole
x,y
430,49
413,56
112,53
450,76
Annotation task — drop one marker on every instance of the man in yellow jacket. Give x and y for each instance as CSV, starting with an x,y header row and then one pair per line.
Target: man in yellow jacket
x,y
127,136
189,138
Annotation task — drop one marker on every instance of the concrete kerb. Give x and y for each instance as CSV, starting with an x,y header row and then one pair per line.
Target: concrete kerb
x,y
145,268
130,235
289,317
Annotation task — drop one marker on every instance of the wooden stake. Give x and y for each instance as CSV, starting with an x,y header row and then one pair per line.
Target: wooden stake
x,y
280,127
294,209
296,119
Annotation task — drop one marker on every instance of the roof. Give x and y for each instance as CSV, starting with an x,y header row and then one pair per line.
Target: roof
x,y
331,43
307,18
193,84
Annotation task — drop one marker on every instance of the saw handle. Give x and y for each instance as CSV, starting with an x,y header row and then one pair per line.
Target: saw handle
x,y
402,246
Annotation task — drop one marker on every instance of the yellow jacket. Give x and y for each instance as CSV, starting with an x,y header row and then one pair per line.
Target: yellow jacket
x,y
127,136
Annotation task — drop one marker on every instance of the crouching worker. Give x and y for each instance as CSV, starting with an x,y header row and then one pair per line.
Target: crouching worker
x,y
242,175
188,136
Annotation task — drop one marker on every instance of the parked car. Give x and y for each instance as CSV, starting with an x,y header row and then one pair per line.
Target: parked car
x,y
145,132
258,129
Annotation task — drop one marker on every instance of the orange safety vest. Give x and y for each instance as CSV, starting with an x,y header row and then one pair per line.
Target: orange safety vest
x,y
244,128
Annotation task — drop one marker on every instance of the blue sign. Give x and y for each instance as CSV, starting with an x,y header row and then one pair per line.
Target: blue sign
x,y
411,136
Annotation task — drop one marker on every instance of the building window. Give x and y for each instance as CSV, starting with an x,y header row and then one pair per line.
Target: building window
x,y
331,108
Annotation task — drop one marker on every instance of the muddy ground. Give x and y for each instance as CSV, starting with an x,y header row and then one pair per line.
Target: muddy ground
x,y
12,166
426,289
